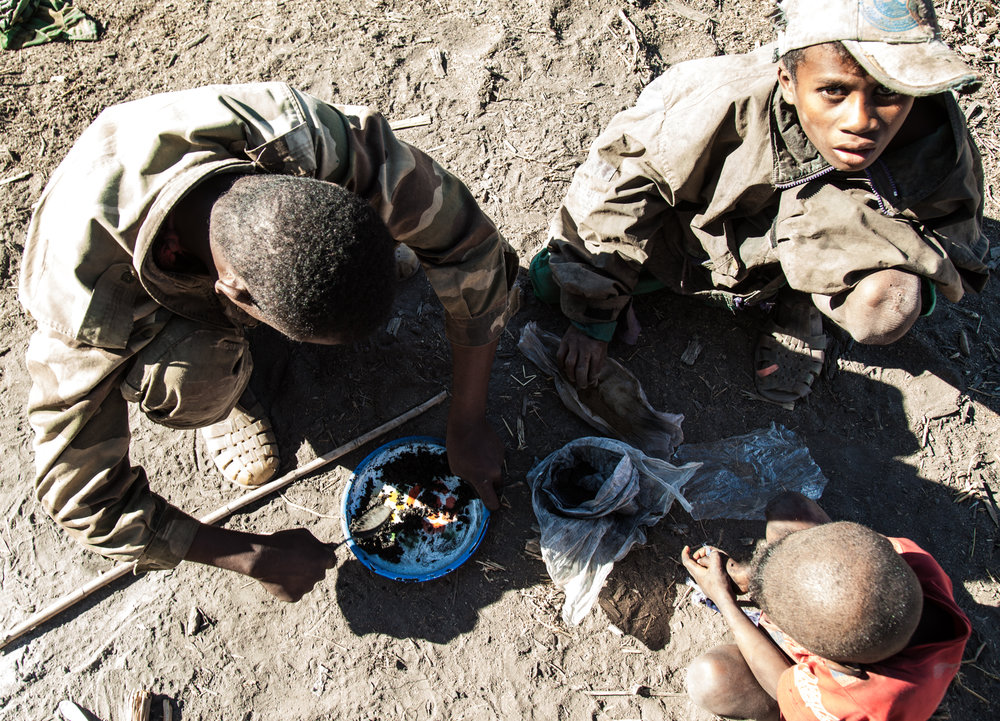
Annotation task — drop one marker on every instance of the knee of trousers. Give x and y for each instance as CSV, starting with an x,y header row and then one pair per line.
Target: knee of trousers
x,y
190,375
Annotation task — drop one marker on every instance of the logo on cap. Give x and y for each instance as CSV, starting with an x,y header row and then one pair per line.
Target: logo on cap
x,y
893,16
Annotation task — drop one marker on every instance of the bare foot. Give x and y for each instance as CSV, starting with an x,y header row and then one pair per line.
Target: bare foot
x,y
790,512
739,574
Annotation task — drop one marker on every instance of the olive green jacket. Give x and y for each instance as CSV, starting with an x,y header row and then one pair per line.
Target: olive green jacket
x,y
90,281
709,183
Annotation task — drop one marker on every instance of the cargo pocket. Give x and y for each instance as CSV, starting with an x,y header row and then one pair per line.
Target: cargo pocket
x,y
190,375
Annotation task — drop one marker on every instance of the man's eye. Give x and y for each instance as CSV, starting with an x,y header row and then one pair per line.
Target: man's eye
x,y
833,91
884,92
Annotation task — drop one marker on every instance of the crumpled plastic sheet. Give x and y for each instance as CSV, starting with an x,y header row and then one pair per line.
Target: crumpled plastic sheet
x,y
740,474
594,498
617,406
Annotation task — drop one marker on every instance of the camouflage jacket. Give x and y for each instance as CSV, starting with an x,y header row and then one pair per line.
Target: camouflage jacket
x,y
90,281
709,184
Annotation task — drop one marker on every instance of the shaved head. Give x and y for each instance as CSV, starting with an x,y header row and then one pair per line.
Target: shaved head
x,y
841,591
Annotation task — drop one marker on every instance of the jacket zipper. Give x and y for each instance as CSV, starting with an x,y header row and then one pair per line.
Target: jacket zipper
x,y
883,208
802,181
892,184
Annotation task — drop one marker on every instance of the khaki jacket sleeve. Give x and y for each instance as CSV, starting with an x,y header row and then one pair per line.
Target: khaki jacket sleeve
x,y
953,218
83,476
614,207
469,265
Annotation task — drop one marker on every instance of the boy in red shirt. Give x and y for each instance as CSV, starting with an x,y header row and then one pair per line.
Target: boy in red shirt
x,y
855,625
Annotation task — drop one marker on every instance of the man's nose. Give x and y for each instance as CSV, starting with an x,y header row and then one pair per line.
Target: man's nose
x,y
859,116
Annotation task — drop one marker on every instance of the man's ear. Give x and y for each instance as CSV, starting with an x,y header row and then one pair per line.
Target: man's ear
x,y
234,288
787,84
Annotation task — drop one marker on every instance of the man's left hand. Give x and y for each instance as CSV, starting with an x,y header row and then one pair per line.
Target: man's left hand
x,y
475,453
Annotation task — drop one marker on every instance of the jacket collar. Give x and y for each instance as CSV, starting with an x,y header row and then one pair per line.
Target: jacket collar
x,y
795,157
902,176
192,296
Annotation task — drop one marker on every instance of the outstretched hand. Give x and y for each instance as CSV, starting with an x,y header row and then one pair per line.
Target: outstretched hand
x,y
287,563
581,357
707,566
290,563
475,454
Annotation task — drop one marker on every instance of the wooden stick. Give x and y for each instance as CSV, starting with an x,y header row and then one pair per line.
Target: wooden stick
x,y
138,705
74,597
415,122
27,174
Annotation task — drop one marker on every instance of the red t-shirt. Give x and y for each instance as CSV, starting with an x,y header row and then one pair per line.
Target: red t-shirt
x,y
906,687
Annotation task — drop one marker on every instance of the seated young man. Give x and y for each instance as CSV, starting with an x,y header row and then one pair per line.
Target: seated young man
x,y
842,175
854,626
180,219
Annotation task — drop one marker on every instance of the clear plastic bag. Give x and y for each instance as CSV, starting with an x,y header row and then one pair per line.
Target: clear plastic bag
x,y
594,498
739,475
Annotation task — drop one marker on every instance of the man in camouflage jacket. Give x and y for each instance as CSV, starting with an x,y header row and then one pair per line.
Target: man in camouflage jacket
x,y
713,185
93,278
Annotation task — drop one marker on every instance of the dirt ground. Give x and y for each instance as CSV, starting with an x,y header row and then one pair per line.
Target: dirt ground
x,y
515,91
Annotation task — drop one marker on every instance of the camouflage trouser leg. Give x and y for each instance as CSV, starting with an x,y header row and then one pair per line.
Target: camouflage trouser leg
x,y
190,375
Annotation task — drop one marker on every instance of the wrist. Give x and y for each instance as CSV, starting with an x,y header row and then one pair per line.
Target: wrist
x,y
602,332
224,548
464,417
727,603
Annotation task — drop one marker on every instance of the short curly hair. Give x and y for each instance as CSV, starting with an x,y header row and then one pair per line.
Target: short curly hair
x,y
317,260
793,58
841,590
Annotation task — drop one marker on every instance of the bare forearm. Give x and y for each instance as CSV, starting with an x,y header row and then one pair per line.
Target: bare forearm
x,y
287,563
475,452
471,367
224,548
766,661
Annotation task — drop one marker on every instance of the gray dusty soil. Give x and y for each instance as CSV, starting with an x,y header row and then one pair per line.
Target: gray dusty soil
x,y
516,91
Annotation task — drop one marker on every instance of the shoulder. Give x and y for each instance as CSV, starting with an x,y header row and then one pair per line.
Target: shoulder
x,y
717,80
933,579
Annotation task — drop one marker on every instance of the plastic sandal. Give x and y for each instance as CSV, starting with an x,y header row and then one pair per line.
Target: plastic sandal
x,y
789,357
243,446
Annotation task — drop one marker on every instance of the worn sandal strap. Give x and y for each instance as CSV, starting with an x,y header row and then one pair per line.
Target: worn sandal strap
x,y
243,446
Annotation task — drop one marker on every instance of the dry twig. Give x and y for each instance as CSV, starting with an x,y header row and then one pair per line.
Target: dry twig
x,y
15,178
138,705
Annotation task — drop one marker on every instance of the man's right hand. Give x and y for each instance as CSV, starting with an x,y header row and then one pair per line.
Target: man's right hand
x,y
287,563
581,357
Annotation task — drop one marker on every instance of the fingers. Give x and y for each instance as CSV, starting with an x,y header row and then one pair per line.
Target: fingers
x,y
568,357
701,558
563,351
578,365
488,493
687,559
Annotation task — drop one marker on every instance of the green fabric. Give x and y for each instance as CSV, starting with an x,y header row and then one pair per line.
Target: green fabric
x,y
598,331
542,283
15,11
547,291
24,23
928,296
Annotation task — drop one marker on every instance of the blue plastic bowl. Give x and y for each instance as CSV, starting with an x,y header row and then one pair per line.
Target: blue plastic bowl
x,y
435,562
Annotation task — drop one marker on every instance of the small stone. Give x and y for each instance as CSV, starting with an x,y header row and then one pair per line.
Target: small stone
x,y
194,621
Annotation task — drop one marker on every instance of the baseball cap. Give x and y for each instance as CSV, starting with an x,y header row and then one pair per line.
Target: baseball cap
x,y
896,41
